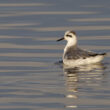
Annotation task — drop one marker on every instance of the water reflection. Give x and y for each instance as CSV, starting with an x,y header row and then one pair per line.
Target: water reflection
x,y
80,77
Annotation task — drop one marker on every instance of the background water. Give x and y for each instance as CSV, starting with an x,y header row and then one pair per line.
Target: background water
x,y
30,78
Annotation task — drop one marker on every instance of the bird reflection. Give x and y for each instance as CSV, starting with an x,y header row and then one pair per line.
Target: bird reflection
x,y
86,74
77,78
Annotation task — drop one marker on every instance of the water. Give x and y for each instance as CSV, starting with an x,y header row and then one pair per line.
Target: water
x,y
30,78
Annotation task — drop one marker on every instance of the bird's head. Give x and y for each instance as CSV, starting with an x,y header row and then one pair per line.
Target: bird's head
x,y
70,36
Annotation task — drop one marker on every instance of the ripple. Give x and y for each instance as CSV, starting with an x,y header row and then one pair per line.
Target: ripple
x,y
47,13
90,20
17,24
46,55
79,28
23,4
34,64
8,45
94,37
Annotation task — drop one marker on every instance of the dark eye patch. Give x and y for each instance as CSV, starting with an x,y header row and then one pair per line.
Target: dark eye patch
x,y
68,35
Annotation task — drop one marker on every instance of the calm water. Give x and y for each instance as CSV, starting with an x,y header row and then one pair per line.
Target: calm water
x,y
30,78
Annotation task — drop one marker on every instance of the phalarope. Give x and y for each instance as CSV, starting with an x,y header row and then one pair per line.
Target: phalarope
x,y
73,55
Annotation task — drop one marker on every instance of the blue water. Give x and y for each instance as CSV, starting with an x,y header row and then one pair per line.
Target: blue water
x,y
31,77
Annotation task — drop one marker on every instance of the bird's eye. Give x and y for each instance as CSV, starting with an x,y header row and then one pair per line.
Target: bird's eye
x,y
68,35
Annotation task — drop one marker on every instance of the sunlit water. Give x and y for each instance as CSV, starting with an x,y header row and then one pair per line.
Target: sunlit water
x,y
30,77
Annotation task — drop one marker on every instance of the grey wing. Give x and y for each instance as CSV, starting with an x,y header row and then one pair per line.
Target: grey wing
x,y
78,53
85,53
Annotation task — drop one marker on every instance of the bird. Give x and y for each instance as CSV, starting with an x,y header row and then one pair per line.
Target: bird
x,y
74,56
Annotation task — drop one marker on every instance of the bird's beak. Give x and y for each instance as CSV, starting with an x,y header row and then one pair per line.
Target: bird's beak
x,y
60,39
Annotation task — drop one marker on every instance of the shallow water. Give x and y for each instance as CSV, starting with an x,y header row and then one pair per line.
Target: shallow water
x,y
30,78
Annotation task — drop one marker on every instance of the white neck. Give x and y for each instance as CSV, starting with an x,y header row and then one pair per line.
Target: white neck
x,y
70,43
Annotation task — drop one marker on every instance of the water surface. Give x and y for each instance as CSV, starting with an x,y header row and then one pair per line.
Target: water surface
x,y
30,78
